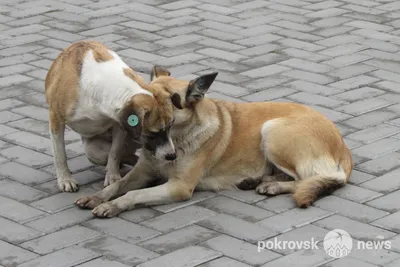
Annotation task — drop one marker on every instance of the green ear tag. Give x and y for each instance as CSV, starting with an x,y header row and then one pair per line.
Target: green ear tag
x,y
133,120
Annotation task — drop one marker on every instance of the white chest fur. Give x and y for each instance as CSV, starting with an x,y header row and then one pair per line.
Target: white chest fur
x,y
103,90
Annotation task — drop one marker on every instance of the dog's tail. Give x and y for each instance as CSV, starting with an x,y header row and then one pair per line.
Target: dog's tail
x,y
309,189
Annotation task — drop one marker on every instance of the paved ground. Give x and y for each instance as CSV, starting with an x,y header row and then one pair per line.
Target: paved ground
x,y
342,57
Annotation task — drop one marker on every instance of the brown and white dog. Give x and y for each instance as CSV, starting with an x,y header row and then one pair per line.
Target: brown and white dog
x,y
90,89
223,145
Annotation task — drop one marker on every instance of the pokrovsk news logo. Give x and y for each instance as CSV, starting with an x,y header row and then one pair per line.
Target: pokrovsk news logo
x,y
337,243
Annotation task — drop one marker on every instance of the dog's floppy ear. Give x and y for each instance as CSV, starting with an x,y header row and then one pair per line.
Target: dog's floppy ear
x,y
198,87
158,71
133,114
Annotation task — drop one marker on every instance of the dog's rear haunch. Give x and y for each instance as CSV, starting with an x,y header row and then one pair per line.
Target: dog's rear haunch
x,y
221,145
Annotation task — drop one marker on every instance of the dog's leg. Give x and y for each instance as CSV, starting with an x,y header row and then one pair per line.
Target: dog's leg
x,y
64,178
97,150
179,187
172,191
137,178
280,183
114,157
252,182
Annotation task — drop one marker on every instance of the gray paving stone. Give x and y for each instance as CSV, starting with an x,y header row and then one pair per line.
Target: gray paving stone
x,y
351,71
370,119
178,239
139,215
178,219
308,76
312,99
26,156
189,256
309,87
375,256
240,250
119,250
358,230
378,166
378,148
61,201
356,193
386,202
20,192
294,218
16,233
59,240
346,208
301,258
364,106
11,255
60,220
102,262
7,116
33,112
347,261
306,233
19,172
236,208
122,229
332,115
65,257
345,52
374,133
252,234
197,197
269,94
224,261
244,196
354,82
277,204
16,211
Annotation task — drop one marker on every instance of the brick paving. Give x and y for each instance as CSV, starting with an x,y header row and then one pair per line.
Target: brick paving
x,y
340,56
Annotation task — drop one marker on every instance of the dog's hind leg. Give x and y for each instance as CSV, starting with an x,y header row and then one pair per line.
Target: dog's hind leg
x,y
64,178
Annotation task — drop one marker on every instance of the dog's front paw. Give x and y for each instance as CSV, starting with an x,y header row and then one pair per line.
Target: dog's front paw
x,y
88,202
68,185
269,188
106,210
111,178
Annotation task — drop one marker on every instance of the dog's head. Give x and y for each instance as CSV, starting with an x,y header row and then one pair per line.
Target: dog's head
x,y
151,117
148,118
185,95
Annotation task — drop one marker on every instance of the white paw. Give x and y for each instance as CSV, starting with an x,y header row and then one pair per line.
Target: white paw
x,y
268,188
111,178
68,185
106,210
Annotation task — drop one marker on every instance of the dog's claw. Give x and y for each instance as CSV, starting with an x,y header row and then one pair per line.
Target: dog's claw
x,y
68,185
88,202
106,210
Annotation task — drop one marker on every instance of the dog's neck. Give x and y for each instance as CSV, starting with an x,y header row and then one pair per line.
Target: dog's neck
x,y
202,124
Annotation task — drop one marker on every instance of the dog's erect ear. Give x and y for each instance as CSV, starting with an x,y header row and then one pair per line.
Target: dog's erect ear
x,y
133,114
198,87
158,71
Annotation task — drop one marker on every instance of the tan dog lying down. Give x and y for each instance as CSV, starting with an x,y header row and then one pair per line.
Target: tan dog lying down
x,y
223,145
90,89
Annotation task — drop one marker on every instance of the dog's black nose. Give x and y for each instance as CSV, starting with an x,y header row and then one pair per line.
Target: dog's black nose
x,y
170,156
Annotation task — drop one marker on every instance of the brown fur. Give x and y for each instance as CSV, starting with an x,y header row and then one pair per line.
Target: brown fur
x,y
61,90
219,144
